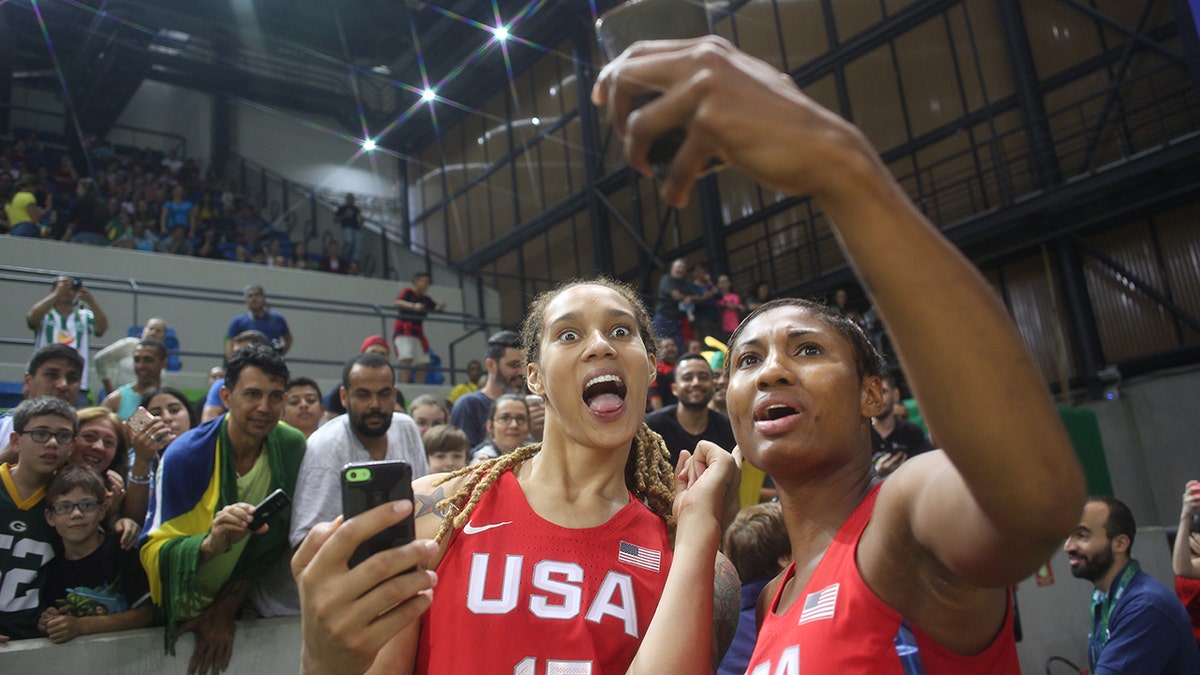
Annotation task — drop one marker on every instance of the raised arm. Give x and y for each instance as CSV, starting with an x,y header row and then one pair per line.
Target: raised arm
x,y
1185,558
680,637
39,309
1012,488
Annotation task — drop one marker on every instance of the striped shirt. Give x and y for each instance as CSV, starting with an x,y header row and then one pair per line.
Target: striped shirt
x,y
72,330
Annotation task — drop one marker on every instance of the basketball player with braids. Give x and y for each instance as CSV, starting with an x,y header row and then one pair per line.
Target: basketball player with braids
x,y
583,553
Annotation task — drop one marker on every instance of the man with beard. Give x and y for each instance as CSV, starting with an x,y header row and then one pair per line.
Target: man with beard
x,y
893,440
1138,625
370,430
506,375
690,421
200,555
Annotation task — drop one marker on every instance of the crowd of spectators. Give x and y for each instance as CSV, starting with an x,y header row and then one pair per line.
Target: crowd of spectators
x,y
145,200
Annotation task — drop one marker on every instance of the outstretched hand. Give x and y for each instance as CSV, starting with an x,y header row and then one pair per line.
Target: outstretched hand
x,y
348,615
730,104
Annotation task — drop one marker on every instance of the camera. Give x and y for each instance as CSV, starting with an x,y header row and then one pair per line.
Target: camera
x,y
76,283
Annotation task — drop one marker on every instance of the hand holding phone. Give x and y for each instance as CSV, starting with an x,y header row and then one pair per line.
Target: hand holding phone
x,y
140,419
273,504
366,485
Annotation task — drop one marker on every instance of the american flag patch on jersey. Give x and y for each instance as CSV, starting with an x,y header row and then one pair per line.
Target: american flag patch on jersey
x,y
646,558
819,605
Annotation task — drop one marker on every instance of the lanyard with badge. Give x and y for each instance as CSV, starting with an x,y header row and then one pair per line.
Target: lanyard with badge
x,y
1105,603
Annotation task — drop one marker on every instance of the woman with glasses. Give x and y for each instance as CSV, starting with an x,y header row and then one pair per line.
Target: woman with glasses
x,y
507,428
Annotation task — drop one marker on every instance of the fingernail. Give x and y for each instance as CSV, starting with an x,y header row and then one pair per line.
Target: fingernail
x,y
433,579
401,505
431,547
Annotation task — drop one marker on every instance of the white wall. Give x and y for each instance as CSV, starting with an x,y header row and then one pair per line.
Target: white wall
x,y
278,140
168,109
213,290
262,646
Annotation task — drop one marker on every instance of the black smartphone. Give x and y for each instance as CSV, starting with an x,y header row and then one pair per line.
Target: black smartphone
x,y
366,485
77,283
274,503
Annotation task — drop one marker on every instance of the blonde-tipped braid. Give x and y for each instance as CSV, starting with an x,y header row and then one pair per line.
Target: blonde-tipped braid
x,y
648,475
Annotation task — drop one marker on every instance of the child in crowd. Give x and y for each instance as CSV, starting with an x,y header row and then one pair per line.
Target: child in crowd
x,y
446,448
93,585
43,433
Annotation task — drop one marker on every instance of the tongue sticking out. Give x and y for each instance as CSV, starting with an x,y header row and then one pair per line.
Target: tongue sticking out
x,y
605,403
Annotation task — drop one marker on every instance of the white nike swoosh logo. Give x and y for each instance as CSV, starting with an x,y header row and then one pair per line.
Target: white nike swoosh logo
x,y
470,528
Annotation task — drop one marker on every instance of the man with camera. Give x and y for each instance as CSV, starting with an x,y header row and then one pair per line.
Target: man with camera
x,y
62,318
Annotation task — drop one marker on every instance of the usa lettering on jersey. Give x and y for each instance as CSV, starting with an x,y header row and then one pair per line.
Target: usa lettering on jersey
x,y
561,596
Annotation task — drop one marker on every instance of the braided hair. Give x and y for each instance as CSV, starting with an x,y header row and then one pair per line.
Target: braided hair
x,y
648,471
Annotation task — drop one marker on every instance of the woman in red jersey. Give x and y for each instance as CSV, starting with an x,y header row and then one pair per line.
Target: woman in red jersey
x,y
912,574
557,557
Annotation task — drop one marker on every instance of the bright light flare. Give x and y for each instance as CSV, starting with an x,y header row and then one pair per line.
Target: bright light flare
x,y
501,33
368,145
428,95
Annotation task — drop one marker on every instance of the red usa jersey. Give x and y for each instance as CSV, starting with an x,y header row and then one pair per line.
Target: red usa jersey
x,y
518,594
838,625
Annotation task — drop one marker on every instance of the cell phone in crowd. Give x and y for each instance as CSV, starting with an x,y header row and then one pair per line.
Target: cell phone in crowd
x,y
140,419
366,485
273,504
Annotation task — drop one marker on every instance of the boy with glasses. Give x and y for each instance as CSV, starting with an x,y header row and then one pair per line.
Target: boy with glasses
x,y
44,433
94,586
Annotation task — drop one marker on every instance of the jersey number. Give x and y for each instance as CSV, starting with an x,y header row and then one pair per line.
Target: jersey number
x,y
22,579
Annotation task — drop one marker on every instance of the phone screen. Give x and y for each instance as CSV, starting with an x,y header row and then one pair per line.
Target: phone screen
x,y
366,485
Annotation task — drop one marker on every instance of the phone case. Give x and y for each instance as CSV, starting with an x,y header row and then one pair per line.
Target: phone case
x,y
274,503
366,485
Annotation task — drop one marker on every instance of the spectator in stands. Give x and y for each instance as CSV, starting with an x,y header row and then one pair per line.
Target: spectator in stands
x,y
171,415
757,544
507,428
114,363
149,360
893,440
352,269
258,317
1185,557
332,261
1138,624
372,344
119,230
177,214
474,375
428,411
85,220
209,246
300,259
208,213
61,317
214,404
408,333
200,555
350,218
143,239
660,393
178,243
760,296
731,306
446,448
370,430
505,374
689,421
95,585
303,408
705,315
172,163
674,293
43,432
720,387
25,217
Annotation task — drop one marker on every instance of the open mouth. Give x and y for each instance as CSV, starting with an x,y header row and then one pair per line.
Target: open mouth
x,y
605,393
775,411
